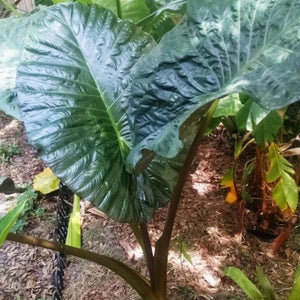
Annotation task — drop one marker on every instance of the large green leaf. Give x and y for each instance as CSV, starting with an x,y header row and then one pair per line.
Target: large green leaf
x,y
222,47
73,83
11,48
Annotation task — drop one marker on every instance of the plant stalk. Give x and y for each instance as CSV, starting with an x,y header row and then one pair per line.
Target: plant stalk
x,y
135,280
148,249
142,236
159,283
119,9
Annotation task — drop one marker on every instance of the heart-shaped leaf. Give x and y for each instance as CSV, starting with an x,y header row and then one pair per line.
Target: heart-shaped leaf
x,y
73,86
222,47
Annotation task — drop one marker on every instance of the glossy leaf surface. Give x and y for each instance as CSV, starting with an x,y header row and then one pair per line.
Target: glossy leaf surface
x,y
164,15
12,36
77,70
222,47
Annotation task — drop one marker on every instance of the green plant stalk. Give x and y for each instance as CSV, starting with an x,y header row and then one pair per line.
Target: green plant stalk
x,y
11,7
119,9
159,282
74,228
134,279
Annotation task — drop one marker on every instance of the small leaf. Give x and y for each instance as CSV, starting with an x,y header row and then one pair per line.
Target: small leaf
x,y
46,182
74,228
228,182
250,115
7,221
278,164
228,106
244,283
286,193
183,251
267,129
248,171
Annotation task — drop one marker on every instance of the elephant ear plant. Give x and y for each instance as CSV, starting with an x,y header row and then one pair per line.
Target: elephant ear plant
x,y
118,118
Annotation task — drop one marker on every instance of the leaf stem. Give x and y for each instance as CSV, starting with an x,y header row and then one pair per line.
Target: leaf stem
x,y
162,245
119,9
137,281
11,8
142,236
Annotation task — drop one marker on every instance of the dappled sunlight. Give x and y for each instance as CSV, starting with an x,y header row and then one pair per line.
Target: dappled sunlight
x,y
203,274
201,188
12,126
2,207
8,68
133,252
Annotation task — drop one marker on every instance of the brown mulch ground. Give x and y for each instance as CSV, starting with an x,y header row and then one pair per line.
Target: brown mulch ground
x,y
205,223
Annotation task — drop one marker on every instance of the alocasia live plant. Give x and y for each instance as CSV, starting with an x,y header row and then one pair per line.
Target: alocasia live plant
x,y
116,115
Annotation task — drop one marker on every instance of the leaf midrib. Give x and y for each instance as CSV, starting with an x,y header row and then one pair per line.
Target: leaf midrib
x,y
114,126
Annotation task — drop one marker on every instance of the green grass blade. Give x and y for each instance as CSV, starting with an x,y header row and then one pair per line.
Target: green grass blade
x,y
266,287
244,283
295,292
7,221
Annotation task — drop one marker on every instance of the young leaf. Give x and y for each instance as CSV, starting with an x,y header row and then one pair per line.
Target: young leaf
x,y
267,129
228,106
183,251
221,47
244,283
250,115
7,221
266,287
46,182
74,229
285,193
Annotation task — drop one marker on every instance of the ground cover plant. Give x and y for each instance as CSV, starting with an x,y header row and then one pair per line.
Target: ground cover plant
x,y
132,111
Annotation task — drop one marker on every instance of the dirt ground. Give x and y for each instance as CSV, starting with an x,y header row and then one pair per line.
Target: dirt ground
x,y
206,224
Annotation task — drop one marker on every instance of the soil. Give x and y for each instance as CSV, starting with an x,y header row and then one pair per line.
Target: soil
x,y
206,225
